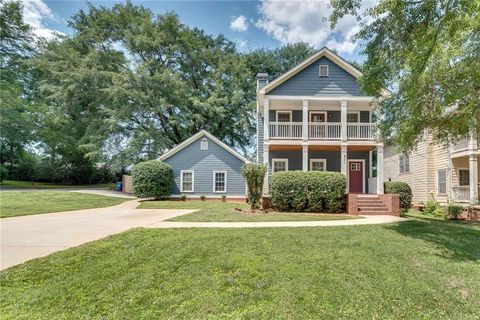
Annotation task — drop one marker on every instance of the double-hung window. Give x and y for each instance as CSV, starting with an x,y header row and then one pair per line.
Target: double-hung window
x,y
463,177
353,117
442,181
284,116
279,165
187,181
404,163
219,181
318,164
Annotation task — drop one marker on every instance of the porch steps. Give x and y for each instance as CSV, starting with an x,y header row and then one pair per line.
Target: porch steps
x,y
371,205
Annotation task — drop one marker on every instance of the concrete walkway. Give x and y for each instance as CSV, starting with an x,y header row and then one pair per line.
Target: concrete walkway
x,y
377,219
108,193
29,237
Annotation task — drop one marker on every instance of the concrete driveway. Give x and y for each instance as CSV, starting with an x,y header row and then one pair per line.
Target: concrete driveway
x,y
29,237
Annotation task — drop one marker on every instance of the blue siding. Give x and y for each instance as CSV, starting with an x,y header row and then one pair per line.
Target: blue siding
x,y
204,162
308,82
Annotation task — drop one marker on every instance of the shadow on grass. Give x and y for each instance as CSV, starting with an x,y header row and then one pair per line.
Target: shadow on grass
x,y
456,240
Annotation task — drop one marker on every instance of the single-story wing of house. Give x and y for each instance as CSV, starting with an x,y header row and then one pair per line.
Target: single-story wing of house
x,y
205,166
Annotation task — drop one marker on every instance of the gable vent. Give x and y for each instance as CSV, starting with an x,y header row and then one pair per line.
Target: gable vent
x,y
204,144
323,71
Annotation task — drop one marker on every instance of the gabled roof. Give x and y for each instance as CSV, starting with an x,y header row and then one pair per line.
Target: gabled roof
x,y
324,52
194,138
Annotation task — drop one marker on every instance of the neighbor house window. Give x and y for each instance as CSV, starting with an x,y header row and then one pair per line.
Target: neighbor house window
x,y
204,144
318,164
353,117
323,71
464,177
219,181
404,163
187,180
442,181
284,116
279,165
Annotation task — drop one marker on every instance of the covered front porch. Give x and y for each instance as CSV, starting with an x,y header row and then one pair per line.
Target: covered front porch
x,y
464,178
362,164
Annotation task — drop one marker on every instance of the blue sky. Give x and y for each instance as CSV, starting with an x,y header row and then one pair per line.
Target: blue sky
x,y
251,24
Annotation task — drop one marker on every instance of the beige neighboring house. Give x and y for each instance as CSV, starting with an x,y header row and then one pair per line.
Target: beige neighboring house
x,y
437,172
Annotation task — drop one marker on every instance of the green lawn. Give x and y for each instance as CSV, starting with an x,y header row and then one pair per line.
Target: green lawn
x,y
13,184
20,203
225,212
408,270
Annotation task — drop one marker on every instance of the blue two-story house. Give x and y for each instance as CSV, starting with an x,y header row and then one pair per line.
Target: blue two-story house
x,y
315,117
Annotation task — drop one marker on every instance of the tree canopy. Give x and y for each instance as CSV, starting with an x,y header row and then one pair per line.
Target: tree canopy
x,y
427,53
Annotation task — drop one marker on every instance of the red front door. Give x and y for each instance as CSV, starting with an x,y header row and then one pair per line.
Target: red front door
x,y
355,176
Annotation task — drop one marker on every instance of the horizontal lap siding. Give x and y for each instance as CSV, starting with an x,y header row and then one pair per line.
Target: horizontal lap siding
x,y
260,133
308,82
204,162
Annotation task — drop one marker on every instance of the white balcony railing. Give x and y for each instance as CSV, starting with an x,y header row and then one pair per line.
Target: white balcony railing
x,y
285,130
325,130
361,131
461,193
461,145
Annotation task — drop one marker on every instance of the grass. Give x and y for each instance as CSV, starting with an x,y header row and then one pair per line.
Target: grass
x,y
225,212
409,270
20,203
13,184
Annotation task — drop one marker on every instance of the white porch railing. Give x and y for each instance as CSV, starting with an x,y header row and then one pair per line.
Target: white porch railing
x,y
285,130
325,130
461,145
461,193
361,131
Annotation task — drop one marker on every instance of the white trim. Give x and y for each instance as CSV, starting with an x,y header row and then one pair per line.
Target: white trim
x,y
363,173
321,98
282,111
214,181
355,112
203,142
458,175
320,71
302,65
181,181
318,160
279,160
194,138
313,111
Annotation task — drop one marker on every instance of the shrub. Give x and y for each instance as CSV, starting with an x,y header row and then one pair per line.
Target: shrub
x,y
254,173
403,190
202,198
152,179
224,198
453,210
308,191
183,197
433,208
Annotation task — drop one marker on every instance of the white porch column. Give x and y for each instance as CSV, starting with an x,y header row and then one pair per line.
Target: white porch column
x,y
305,120
266,161
380,169
266,125
305,157
343,118
343,159
473,169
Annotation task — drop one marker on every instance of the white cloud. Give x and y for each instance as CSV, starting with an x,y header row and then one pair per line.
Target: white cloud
x,y
241,43
239,23
307,21
35,12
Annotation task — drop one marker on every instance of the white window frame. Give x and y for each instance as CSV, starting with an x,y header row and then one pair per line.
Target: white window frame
x,y
279,160
324,161
464,169
354,112
438,182
402,162
214,181
203,143
181,181
278,112
312,112
320,70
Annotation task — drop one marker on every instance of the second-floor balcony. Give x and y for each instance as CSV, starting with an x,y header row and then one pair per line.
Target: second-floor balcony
x,y
322,131
463,144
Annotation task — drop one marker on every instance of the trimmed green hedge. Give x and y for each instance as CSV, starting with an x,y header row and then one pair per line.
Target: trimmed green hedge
x,y
304,191
152,179
403,190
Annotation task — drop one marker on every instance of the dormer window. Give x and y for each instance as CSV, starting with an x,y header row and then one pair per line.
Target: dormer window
x,y
204,144
323,70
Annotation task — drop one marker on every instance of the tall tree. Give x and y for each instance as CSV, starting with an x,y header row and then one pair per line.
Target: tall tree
x,y
427,53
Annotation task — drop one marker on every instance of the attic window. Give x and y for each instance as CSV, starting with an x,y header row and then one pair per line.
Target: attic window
x,y
323,70
204,144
